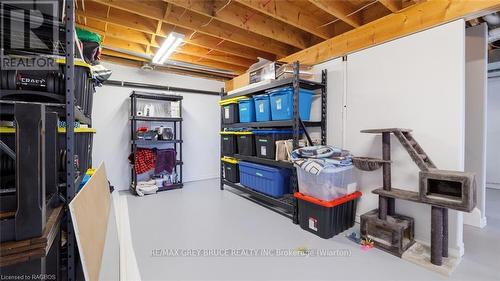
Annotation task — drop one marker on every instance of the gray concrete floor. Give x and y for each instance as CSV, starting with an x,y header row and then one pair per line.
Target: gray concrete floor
x,y
200,216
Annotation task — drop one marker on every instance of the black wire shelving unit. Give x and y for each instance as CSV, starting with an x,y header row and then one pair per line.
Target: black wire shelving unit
x,y
177,140
286,205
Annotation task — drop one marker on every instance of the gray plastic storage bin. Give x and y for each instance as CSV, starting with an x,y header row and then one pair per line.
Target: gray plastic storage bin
x,y
331,183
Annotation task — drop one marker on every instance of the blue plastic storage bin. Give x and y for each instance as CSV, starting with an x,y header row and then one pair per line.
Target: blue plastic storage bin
x,y
268,180
247,110
282,103
262,108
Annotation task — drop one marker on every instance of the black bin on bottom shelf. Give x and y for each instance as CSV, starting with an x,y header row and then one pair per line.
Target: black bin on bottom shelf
x,y
229,143
246,143
327,218
265,142
231,169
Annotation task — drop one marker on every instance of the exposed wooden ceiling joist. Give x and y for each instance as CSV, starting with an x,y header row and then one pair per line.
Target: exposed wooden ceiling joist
x,y
139,38
392,5
250,20
410,20
133,61
184,18
128,32
118,44
291,14
342,10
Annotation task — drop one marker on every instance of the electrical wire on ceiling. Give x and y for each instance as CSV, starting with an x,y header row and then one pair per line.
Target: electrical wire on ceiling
x,y
350,14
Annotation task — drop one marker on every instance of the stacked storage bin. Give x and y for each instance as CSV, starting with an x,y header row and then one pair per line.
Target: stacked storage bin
x,y
246,143
327,218
272,181
246,110
262,108
230,110
281,103
327,195
83,148
49,85
265,141
229,143
231,169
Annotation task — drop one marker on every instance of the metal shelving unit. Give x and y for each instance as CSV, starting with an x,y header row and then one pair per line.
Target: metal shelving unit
x,y
287,205
177,141
270,124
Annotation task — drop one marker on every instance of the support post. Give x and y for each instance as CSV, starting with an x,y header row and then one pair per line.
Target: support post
x,y
445,232
69,75
221,155
386,170
382,207
296,135
324,108
436,235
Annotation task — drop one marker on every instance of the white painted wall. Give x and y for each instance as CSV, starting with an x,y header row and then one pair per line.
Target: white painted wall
x,y
201,115
403,83
493,134
476,77
335,99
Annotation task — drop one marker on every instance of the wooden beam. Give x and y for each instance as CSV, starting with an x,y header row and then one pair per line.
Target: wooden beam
x,y
207,62
117,54
132,62
392,5
117,44
413,19
189,49
131,37
211,42
205,42
122,33
186,19
342,10
250,21
292,14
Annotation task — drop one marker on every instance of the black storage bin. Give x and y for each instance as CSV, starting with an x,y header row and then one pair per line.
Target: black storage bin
x,y
246,144
230,113
231,170
265,142
83,148
229,143
327,218
48,85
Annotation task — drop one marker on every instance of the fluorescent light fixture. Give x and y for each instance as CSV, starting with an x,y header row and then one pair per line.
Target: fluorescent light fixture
x,y
173,41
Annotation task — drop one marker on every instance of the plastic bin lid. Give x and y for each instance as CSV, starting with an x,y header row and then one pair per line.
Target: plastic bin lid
x,y
231,100
230,160
287,89
261,97
259,166
246,100
235,133
328,204
265,132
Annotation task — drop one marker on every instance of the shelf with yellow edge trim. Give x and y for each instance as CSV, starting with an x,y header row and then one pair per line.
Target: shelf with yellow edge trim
x,y
12,130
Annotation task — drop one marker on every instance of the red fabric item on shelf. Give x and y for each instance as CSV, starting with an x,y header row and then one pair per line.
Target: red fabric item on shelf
x,y
145,160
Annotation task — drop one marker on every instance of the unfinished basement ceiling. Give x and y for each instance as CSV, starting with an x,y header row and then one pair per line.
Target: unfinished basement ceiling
x,y
226,35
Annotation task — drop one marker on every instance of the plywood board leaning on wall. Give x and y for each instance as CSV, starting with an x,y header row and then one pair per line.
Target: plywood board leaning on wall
x,y
90,214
